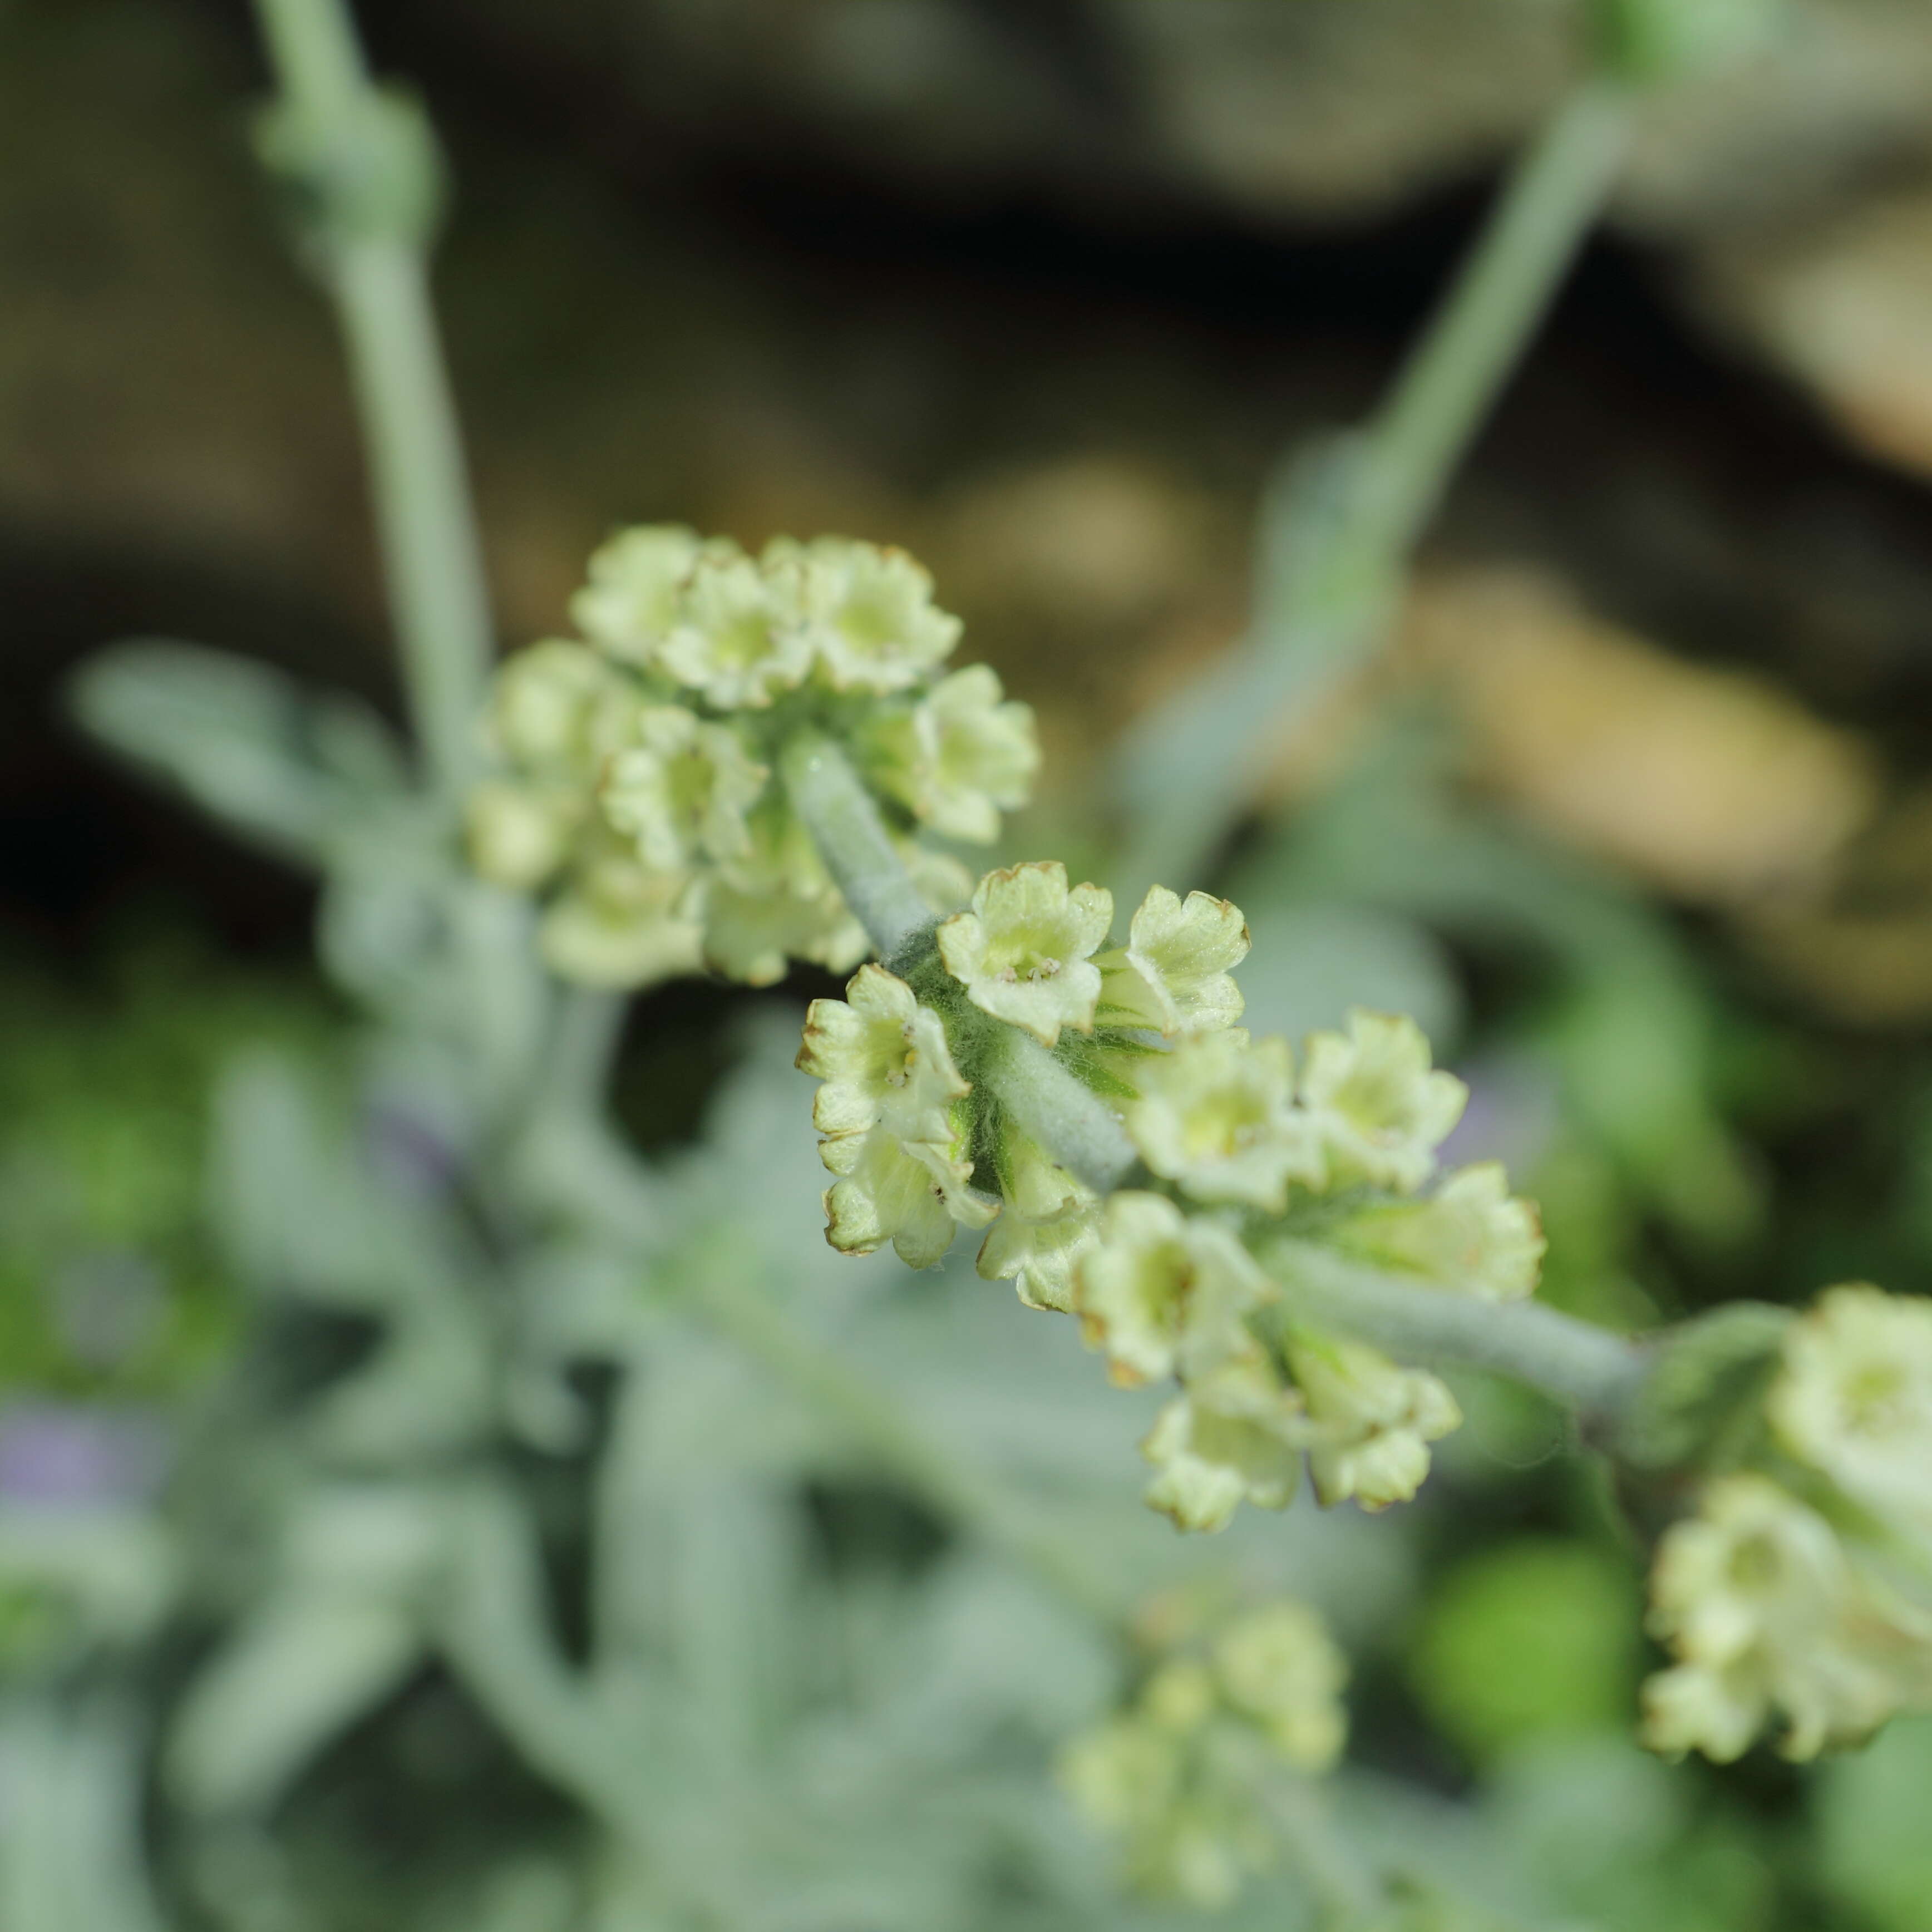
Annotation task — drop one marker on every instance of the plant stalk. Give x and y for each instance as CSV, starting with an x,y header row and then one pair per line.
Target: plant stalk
x,y
838,810
379,279
1337,536
1592,1371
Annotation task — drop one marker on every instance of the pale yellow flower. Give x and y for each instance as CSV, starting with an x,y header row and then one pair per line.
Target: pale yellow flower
x,y
1023,952
1471,1234
1375,1420
884,1061
868,614
1162,1293
912,1194
628,605
1854,1399
1215,1116
682,790
1380,1111
1174,974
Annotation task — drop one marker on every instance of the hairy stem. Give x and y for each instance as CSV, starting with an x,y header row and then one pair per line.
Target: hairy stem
x,y
1083,1133
851,838
1590,1370
379,279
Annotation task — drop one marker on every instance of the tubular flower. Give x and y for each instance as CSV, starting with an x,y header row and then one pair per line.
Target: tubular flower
x,y
911,1193
1471,1234
558,710
958,758
1214,1116
1854,1399
663,730
1175,974
619,924
884,1061
1163,1294
1380,1112
739,640
682,789
1179,1776
1041,1258
1210,1462
629,604
1024,951
1373,1421
1770,1615
868,615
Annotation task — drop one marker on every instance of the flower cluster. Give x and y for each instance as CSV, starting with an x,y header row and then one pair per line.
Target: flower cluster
x,y
636,786
1181,1777
1801,1592
1237,1148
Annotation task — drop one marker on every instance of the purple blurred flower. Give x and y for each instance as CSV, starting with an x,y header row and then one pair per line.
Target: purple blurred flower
x,y
64,1455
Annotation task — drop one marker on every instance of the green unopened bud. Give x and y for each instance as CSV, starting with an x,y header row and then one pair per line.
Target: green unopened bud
x,y
520,834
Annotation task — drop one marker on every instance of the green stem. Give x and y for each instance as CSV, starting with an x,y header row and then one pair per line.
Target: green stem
x,y
1452,380
831,799
1336,539
1588,1369
726,1283
376,272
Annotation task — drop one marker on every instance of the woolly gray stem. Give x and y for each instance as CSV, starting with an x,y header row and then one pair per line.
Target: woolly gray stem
x,y
380,283
852,839
1069,1119
1591,1370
